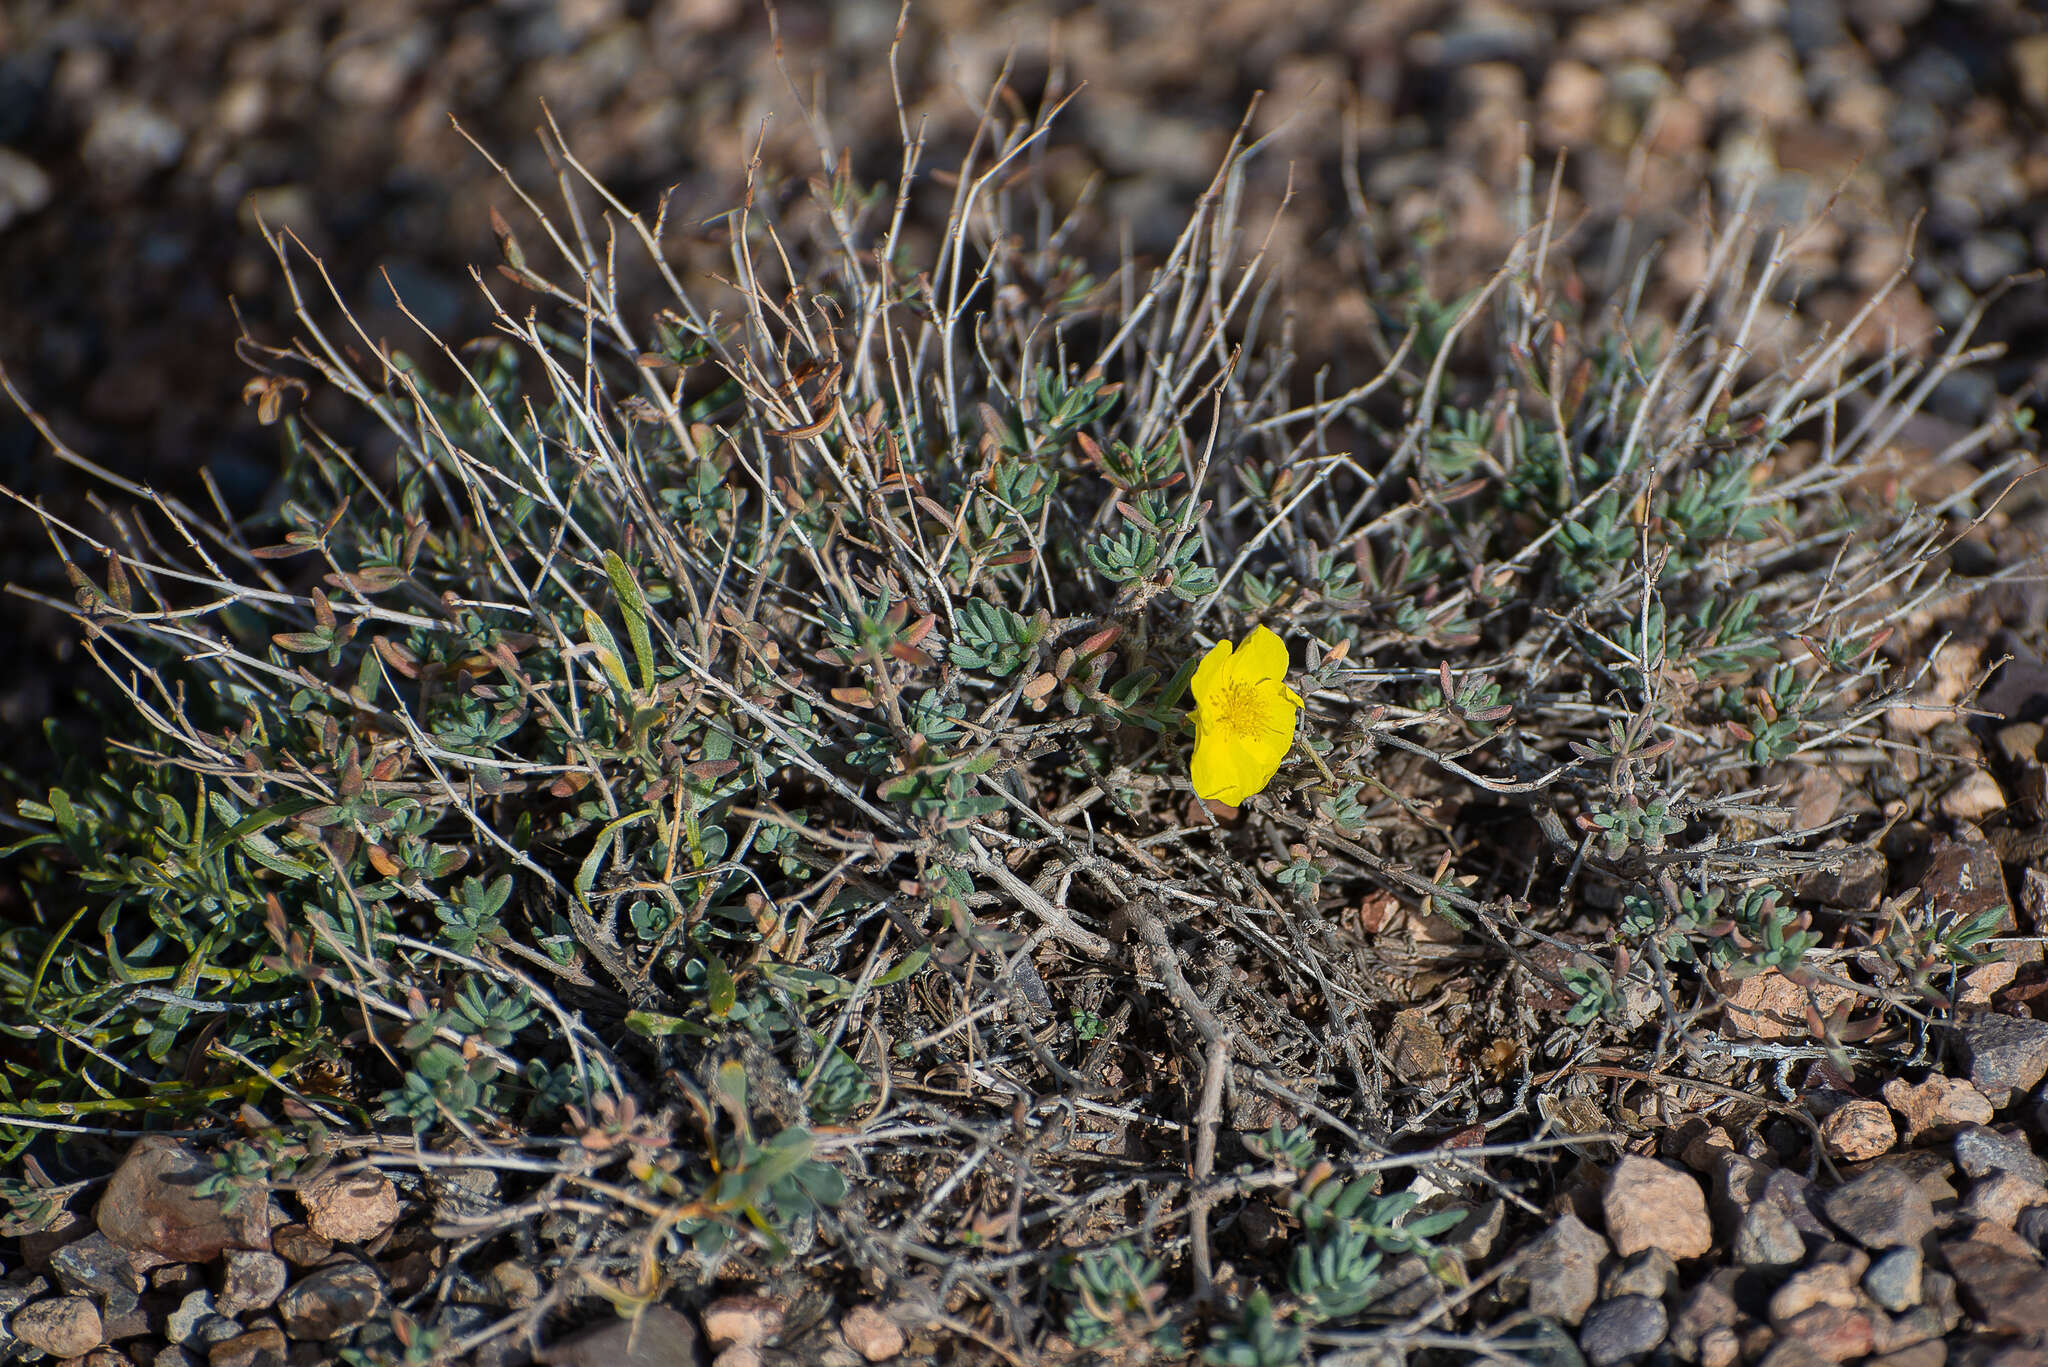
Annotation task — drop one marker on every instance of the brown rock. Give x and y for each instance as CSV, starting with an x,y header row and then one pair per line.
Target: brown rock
x,y
263,1346
1936,1105
249,1281
1883,1208
1563,1270
1858,1130
1769,1005
1837,1333
300,1246
350,1208
62,1326
2001,1197
658,1337
1650,1204
153,1205
1719,1347
1963,879
331,1301
2009,1291
871,1333
1831,1285
2003,1053
1929,1353
745,1320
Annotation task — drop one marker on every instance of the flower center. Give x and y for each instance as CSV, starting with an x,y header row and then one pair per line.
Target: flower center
x,y
1239,709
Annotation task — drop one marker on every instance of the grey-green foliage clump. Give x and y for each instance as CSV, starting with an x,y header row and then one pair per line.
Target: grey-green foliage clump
x,y
715,752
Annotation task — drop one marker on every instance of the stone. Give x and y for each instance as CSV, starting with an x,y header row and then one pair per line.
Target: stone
x,y
2001,1197
96,1266
1719,1347
1859,1129
657,1337
1650,1273
62,1326
1767,1239
1790,1352
1563,1270
1768,1005
1915,1325
463,1194
1932,1353
2002,1053
24,187
2008,1291
1475,1235
263,1346
1938,1291
1936,1105
744,1320
1828,1284
350,1207
1705,1309
250,1281
516,1283
182,1325
1981,1150
129,140
1625,1327
1651,1204
331,1301
152,1205
1837,1333
1893,1280
1883,1208
2032,1225
300,1246
871,1333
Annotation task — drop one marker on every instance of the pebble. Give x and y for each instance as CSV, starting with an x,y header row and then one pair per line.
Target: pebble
x,y
2010,1291
96,1266
1914,1325
2001,1197
250,1280
1650,1273
1651,1204
1563,1270
331,1301
1719,1347
1828,1284
659,1337
2003,1053
1936,1104
24,187
1704,1310
152,1204
1768,1239
871,1333
350,1208
1859,1129
744,1320
129,140
1791,1352
1883,1208
1625,1327
1835,1332
300,1246
1893,1280
182,1326
1933,1353
62,1326
1981,1150
263,1346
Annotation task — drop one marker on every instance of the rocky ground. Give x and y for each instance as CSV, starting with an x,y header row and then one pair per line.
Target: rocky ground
x,y
1897,1217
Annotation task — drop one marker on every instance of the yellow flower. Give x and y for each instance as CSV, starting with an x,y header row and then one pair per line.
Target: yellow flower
x,y
1244,717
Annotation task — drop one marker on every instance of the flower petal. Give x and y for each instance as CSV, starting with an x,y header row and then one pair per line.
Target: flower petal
x,y
1261,655
1219,773
1210,674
